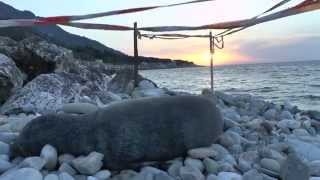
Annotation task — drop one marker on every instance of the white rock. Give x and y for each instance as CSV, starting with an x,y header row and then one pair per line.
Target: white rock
x,y
145,84
202,153
162,176
103,175
270,164
252,175
294,168
92,178
228,123
271,114
8,137
271,154
51,177
17,124
22,174
315,168
212,177
147,173
286,115
80,177
79,108
229,159
151,170
309,151
291,124
50,155
174,168
195,163
229,176
66,158
226,167
247,159
300,132
231,114
4,157
221,151
4,148
229,139
90,164
190,173
5,165
126,174
65,176
65,167
33,162
5,128
155,92
211,166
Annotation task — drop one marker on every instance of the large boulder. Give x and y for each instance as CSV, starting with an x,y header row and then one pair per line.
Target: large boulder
x,y
11,78
45,94
129,132
49,92
34,56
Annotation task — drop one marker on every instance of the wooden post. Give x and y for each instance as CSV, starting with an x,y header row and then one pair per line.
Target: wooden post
x,y
211,61
136,54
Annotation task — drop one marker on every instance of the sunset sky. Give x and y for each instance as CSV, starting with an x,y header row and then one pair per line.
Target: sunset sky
x,y
290,39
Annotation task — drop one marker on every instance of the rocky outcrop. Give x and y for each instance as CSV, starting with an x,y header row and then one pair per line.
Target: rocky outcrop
x,y
54,77
34,56
49,92
11,78
45,94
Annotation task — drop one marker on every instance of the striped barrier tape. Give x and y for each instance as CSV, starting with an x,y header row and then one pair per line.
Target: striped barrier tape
x,y
231,31
305,6
68,19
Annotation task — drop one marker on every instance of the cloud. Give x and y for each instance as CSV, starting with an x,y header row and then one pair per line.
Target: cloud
x,y
282,49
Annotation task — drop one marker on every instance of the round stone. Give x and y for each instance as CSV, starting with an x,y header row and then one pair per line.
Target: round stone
x,y
50,155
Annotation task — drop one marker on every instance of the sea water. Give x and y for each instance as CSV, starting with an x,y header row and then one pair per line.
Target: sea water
x,y
294,82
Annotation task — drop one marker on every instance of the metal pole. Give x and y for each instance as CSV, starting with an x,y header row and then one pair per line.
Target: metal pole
x,y
136,54
211,61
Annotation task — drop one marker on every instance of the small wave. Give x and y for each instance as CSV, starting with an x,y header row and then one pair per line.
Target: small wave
x,y
263,89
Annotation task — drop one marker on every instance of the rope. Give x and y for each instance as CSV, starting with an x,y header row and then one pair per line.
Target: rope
x,y
232,31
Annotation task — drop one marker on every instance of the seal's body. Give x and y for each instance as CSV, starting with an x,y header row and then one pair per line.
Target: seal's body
x,y
130,132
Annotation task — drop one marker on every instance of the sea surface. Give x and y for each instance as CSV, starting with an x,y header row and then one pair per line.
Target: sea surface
x,y
295,82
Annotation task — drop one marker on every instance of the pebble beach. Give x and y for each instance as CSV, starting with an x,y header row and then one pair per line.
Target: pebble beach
x,y
261,141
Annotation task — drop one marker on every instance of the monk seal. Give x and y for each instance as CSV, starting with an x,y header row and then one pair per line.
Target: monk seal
x,y
129,132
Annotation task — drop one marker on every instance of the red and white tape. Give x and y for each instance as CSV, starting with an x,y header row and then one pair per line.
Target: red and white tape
x,y
68,19
305,6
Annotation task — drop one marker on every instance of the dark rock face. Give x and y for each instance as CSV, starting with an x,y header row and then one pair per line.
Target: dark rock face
x,y
11,78
130,132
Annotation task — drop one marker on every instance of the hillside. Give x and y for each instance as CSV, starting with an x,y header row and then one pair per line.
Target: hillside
x,y
82,47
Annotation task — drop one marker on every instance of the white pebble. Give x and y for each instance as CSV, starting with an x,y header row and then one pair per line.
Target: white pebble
x,y
90,164
50,155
